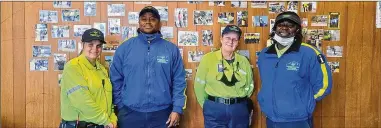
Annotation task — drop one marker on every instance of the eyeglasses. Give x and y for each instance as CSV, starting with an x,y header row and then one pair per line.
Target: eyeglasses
x,y
230,39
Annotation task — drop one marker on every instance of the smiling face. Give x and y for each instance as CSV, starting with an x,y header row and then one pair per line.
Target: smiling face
x,y
229,41
148,23
286,29
92,49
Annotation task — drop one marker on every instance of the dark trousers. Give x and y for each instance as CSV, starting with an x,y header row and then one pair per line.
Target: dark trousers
x,y
218,115
297,124
128,118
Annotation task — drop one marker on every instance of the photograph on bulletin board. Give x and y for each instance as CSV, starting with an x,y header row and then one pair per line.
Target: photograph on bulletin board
x,y
258,4
242,18
308,6
70,15
47,16
59,61
51,33
292,6
226,17
203,17
39,64
217,3
66,45
181,17
334,20
60,31
239,4
207,38
187,38
80,29
41,50
62,4
116,9
41,32
90,8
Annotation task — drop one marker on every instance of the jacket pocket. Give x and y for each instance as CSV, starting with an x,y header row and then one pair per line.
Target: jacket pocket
x,y
261,102
288,103
311,102
124,111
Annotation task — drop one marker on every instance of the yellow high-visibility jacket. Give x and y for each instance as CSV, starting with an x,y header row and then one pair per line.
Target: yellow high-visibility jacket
x,y
86,93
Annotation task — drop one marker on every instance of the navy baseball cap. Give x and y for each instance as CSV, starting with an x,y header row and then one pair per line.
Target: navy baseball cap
x,y
232,28
150,9
93,34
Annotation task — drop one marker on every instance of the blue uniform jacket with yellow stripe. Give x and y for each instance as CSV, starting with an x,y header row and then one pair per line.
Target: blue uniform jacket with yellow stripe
x,y
148,75
292,83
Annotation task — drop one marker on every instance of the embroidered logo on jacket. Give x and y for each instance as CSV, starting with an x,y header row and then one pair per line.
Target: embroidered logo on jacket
x,y
293,66
162,59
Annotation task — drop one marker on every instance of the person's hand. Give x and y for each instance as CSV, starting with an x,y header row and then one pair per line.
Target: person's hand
x,y
173,120
115,125
110,125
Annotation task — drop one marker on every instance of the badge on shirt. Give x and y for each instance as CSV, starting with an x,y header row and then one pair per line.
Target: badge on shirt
x,y
162,59
320,59
220,68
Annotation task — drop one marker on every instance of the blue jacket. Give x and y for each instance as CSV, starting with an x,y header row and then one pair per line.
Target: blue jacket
x,y
293,83
147,75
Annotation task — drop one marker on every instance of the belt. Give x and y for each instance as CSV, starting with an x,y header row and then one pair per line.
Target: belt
x,y
81,124
227,101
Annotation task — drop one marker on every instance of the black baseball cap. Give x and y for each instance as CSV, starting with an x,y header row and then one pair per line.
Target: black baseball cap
x,y
232,28
150,9
290,16
93,34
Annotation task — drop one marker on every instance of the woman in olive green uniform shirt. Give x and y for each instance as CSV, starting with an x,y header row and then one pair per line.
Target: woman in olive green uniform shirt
x,y
223,84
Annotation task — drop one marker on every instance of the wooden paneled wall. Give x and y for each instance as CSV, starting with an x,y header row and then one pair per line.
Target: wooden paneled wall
x,y
31,99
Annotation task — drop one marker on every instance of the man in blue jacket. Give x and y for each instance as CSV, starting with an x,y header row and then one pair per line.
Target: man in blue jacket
x,y
294,76
148,77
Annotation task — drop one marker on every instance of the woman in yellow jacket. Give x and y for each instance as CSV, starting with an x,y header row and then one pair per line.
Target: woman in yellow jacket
x,y
86,92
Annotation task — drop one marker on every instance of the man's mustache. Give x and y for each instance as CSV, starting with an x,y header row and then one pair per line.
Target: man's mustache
x,y
147,24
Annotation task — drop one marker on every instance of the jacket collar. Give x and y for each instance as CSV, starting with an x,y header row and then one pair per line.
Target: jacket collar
x,y
294,47
145,37
83,60
219,55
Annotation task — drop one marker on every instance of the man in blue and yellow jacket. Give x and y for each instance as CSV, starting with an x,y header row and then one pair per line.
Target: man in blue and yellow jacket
x,y
294,76
148,77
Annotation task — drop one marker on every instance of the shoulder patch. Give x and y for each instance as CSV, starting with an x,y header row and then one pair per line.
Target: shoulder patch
x,y
320,59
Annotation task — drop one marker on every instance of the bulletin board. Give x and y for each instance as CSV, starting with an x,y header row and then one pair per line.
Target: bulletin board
x,y
43,36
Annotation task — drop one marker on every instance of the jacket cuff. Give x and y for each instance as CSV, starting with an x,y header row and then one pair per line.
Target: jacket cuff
x,y
177,109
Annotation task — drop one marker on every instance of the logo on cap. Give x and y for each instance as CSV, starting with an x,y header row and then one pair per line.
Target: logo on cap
x,y
234,28
95,33
285,16
148,7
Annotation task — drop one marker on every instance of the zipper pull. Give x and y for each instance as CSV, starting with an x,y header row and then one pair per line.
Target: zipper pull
x,y
149,42
103,83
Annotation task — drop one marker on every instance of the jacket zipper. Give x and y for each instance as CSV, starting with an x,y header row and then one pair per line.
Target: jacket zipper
x,y
148,72
104,92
